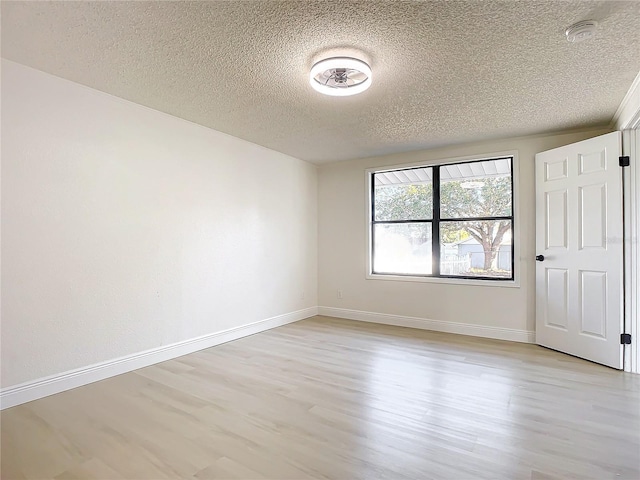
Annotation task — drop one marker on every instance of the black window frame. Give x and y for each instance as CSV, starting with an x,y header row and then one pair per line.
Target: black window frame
x,y
436,220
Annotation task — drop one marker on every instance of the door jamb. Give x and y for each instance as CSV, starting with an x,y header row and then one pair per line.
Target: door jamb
x,y
631,147
627,120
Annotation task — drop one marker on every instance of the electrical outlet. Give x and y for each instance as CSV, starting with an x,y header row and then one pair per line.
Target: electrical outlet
x,y
302,295
339,294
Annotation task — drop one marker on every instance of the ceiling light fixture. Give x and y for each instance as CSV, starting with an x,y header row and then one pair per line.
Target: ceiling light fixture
x,y
340,76
581,31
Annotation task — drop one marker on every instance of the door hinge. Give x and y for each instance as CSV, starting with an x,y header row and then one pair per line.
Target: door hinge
x,y
624,161
625,338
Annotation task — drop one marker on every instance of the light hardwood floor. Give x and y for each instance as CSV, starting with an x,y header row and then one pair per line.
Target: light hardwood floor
x,y
328,398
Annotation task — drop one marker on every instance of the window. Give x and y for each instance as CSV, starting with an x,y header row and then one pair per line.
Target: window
x,y
453,220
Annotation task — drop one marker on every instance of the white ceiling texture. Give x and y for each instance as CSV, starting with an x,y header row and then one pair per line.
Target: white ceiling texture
x,y
444,72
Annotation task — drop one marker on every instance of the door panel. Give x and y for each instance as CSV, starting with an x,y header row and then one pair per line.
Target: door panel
x,y
579,232
557,297
592,216
593,162
593,303
556,224
555,169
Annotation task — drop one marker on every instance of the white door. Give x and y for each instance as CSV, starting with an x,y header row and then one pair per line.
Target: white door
x,y
579,282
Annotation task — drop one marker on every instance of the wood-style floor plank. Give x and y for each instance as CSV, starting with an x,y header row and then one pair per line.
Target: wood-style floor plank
x,y
334,399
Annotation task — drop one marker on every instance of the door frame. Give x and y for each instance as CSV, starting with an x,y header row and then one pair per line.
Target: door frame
x,y
627,119
631,147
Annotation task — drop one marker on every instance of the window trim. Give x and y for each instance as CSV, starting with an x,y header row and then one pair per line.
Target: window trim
x,y
482,281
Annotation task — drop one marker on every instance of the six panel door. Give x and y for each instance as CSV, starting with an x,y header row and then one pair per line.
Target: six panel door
x,y
579,231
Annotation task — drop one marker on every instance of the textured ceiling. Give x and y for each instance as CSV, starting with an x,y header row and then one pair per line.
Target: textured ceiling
x,y
444,72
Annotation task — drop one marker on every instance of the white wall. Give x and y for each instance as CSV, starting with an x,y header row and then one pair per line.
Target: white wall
x,y
342,245
125,229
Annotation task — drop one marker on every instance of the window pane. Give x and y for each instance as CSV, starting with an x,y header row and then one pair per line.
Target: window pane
x,y
476,249
476,189
402,248
403,195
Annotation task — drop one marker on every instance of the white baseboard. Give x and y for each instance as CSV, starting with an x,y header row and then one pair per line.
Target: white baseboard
x,y
53,384
43,387
498,333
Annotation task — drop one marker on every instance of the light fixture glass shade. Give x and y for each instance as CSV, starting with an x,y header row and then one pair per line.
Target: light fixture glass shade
x,y
340,76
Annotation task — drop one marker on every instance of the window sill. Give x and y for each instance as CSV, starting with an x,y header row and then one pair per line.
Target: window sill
x,y
450,281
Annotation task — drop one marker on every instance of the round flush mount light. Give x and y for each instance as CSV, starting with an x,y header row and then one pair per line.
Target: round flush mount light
x,y
340,76
581,31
